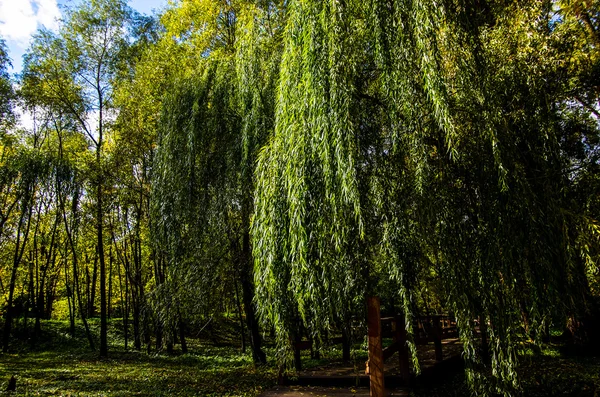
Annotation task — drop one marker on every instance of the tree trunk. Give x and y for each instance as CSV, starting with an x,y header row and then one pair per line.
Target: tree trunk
x,y
184,348
241,317
247,283
159,277
346,342
76,290
18,255
71,303
124,309
137,337
92,287
82,311
122,279
50,259
100,225
110,277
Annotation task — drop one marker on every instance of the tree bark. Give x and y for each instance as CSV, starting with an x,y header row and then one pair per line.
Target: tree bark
x,y
100,226
76,291
92,287
184,348
346,342
258,355
18,255
241,317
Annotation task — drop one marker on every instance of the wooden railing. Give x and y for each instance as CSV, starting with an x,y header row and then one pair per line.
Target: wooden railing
x,y
426,329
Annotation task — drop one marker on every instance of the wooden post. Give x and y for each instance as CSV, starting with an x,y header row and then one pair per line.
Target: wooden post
x,y
403,356
375,363
437,339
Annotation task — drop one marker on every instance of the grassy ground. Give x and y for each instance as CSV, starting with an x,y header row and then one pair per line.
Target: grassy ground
x,y
64,366
554,371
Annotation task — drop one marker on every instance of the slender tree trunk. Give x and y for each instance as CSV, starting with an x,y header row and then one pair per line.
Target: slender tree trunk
x,y
297,353
159,336
184,348
103,320
159,276
346,343
76,289
170,337
50,295
70,302
50,257
18,255
31,301
100,225
133,301
137,337
34,279
124,312
122,280
240,316
88,283
110,277
247,283
82,311
92,287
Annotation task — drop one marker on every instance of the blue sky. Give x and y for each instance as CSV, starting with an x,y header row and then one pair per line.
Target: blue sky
x,y
19,19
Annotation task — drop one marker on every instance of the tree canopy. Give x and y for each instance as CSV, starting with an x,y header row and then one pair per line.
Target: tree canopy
x,y
284,160
414,138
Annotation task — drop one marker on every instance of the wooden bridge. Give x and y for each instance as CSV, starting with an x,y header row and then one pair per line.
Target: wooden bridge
x,y
437,343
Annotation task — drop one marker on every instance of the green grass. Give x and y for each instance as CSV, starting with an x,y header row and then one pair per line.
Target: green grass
x,y
65,366
556,372
61,365
547,372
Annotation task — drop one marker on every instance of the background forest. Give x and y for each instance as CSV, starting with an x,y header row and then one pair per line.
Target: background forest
x,y
270,164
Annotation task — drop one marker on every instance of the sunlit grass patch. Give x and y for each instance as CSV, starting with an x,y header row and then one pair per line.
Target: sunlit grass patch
x,y
61,365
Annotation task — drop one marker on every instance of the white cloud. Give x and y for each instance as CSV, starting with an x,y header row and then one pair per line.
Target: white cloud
x,y
19,19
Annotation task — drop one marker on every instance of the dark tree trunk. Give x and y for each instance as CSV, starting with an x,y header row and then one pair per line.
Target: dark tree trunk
x,y
346,342
126,312
18,255
170,339
76,289
31,300
241,317
247,283
110,284
92,288
43,298
184,348
103,315
133,299
137,337
159,336
50,296
82,311
100,226
122,280
297,351
71,303
159,276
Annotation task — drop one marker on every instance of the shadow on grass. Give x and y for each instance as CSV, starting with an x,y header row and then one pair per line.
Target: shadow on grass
x,y
62,365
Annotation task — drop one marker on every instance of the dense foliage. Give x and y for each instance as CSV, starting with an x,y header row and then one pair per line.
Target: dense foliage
x,y
279,161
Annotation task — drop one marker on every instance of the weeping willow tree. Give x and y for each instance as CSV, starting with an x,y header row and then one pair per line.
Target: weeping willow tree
x,y
412,135
212,125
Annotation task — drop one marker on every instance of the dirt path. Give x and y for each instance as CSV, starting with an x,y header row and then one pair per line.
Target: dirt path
x,y
309,391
